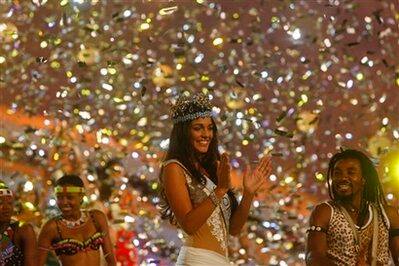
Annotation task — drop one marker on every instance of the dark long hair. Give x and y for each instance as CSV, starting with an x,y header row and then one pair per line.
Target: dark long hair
x,y
181,149
372,190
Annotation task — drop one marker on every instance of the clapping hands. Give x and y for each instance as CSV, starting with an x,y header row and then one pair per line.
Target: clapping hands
x,y
223,173
253,180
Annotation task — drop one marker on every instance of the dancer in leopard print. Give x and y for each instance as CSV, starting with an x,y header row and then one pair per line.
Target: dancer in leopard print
x,y
356,227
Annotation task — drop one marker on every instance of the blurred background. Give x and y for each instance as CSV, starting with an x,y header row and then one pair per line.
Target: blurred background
x,y
86,88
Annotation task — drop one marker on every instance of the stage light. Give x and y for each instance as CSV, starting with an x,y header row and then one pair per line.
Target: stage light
x,y
296,34
28,186
394,169
390,166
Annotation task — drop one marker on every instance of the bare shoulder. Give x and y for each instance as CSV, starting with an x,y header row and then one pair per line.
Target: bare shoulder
x,y
24,231
172,169
26,228
173,166
100,218
50,225
391,211
321,215
98,215
393,215
49,229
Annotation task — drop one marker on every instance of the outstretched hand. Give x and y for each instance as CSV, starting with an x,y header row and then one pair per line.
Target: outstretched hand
x,y
253,180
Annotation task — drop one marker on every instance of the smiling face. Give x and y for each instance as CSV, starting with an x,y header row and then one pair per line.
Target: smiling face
x,y
6,208
69,202
347,179
201,134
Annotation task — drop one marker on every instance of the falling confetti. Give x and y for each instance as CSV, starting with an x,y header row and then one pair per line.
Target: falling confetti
x,y
87,81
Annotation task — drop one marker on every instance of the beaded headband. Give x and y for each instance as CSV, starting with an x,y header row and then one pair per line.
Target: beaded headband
x,y
190,108
69,189
5,192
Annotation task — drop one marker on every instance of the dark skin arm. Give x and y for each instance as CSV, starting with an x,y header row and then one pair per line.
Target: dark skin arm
x,y
107,245
27,242
44,243
316,248
393,216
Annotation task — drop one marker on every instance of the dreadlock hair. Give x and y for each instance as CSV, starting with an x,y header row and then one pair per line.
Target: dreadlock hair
x,y
372,191
181,149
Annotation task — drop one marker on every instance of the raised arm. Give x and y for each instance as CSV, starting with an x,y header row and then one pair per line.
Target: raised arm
x,y
251,183
316,248
107,244
393,216
189,217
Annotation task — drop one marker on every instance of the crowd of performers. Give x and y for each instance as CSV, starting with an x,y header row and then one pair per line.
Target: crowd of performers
x,y
355,227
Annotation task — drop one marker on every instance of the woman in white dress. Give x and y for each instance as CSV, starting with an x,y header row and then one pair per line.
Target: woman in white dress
x,y
196,189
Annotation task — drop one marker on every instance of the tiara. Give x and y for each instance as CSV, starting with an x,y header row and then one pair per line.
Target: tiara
x,y
190,108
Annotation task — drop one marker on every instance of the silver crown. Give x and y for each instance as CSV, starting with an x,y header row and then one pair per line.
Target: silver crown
x,y
190,108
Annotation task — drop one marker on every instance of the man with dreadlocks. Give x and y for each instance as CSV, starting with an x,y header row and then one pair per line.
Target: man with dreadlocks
x,y
356,227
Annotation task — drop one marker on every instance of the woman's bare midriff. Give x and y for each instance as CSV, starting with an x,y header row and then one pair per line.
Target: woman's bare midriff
x,y
82,258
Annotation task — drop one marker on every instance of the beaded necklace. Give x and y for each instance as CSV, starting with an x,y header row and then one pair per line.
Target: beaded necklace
x,y
76,223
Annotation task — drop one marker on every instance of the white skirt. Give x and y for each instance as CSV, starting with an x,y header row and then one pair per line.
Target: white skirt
x,y
189,256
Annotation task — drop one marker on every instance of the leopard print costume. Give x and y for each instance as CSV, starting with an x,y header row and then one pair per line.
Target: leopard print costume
x,y
341,243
